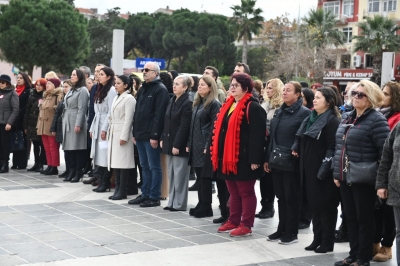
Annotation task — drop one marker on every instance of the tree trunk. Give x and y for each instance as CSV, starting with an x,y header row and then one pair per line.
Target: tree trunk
x,y
377,69
244,54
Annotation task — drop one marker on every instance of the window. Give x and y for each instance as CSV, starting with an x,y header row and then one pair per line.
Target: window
x,y
330,63
348,8
333,7
345,60
373,5
389,5
348,34
368,60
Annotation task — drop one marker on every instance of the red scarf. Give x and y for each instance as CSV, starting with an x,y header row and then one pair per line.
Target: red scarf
x,y
232,139
20,89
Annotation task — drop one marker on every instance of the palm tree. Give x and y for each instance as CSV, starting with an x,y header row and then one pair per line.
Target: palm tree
x,y
246,20
377,35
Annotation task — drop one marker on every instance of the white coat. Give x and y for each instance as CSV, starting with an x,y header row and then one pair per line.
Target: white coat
x,y
99,124
120,128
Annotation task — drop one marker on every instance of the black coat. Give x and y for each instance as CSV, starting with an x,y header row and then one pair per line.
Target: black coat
x,y
201,127
177,125
91,106
32,114
364,139
152,101
316,147
23,102
251,147
9,103
56,125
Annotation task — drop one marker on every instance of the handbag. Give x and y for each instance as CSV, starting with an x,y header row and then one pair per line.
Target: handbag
x,y
281,158
17,141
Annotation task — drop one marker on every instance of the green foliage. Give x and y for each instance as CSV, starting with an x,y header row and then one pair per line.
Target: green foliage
x,y
138,30
258,60
43,33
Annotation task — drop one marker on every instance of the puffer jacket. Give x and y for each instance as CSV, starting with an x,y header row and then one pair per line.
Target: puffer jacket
x,y
360,138
32,114
9,106
56,125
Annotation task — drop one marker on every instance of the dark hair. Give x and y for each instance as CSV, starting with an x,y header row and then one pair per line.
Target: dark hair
x,y
331,98
304,84
245,67
394,96
102,90
245,81
174,74
27,80
167,81
309,96
81,78
127,81
338,96
297,87
195,83
214,71
138,81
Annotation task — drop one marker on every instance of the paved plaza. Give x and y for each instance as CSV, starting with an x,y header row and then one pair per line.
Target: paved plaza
x,y
44,221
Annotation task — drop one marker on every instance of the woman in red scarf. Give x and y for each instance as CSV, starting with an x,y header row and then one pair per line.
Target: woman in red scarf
x,y
237,152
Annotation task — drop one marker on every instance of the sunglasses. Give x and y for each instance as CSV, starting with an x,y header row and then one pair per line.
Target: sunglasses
x,y
358,94
344,93
2,82
147,70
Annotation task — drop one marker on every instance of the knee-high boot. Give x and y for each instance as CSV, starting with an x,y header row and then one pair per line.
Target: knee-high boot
x,y
123,184
105,180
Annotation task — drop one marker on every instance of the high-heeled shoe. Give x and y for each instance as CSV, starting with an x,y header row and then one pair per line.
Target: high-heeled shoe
x,y
70,175
313,246
192,210
33,168
323,249
204,211
78,176
64,174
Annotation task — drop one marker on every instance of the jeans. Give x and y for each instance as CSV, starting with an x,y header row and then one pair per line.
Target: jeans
x,y
151,169
396,210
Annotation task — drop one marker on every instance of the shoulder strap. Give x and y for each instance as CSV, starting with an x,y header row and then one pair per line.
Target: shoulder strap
x,y
247,112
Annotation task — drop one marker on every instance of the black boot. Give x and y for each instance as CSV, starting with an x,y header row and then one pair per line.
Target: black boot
x,y
33,168
195,186
192,175
267,211
65,174
4,167
131,182
52,171
99,179
192,210
44,171
40,168
90,181
124,175
88,167
70,175
105,181
117,173
205,210
78,176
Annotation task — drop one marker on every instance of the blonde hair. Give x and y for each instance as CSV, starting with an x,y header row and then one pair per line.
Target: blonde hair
x,y
374,93
277,86
349,99
211,96
51,75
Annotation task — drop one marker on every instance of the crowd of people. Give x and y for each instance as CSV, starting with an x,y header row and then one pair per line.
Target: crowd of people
x,y
309,147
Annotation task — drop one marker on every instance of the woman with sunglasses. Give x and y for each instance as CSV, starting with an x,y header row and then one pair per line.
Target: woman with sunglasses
x,y
9,108
30,123
360,138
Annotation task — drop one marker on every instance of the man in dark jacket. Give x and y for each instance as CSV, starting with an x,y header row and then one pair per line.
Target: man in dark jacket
x,y
152,101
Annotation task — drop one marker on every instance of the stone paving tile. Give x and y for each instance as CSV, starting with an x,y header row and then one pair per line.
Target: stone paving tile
x,y
25,248
75,225
193,222
5,209
150,235
45,256
41,213
144,218
128,228
206,239
110,239
70,243
110,221
163,225
131,247
180,232
174,215
113,207
33,228
11,260
3,252
24,221
124,213
59,218
88,232
53,236
6,230
90,252
15,239
93,215
95,202
77,210
169,243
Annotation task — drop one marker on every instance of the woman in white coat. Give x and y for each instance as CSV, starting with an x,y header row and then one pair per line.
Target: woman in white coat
x,y
98,131
120,151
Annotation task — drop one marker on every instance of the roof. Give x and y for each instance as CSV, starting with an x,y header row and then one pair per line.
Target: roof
x,y
85,11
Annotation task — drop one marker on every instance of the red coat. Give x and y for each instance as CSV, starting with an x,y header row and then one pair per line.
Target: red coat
x,y
393,120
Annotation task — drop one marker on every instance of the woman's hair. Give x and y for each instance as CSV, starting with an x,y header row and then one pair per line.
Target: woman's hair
x,y
102,90
276,100
374,93
81,79
51,75
258,85
338,96
349,98
174,74
212,95
42,82
195,83
138,81
394,88
90,79
297,87
167,81
126,81
69,82
309,96
244,80
330,97
27,80
186,82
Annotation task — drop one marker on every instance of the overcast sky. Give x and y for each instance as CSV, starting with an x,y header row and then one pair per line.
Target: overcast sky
x,y
271,8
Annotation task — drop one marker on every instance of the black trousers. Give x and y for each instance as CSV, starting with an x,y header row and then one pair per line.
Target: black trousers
x,y
267,190
20,158
77,158
287,190
67,160
324,225
358,203
5,139
39,152
385,226
137,162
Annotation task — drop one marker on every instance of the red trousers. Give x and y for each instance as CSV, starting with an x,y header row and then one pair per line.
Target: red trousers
x,y
243,202
51,147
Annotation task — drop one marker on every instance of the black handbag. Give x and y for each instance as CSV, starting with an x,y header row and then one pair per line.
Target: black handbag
x,y
17,141
281,158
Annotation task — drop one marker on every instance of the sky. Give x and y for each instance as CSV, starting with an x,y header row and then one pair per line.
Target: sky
x,y
271,8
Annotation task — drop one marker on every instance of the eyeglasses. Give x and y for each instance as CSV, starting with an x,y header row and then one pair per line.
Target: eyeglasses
x,y
236,85
358,94
344,93
147,70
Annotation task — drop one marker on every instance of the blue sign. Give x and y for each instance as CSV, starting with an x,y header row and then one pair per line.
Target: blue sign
x,y
140,62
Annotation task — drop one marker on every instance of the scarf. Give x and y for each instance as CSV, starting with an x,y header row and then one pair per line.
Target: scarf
x,y
20,89
385,111
232,138
313,117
